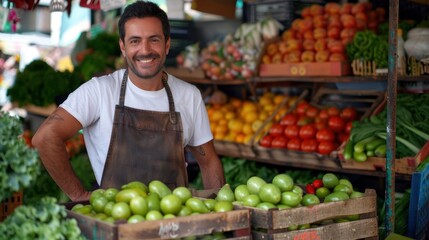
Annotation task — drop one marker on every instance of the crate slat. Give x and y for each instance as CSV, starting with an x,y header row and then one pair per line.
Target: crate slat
x,y
185,226
236,222
359,229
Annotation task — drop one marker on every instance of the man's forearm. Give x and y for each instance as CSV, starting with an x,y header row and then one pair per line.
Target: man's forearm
x,y
56,161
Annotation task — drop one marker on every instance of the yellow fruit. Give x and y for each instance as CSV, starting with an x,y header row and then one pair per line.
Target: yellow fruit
x,y
264,100
223,122
216,116
221,129
256,125
263,115
247,138
213,126
219,136
229,115
269,108
247,128
278,99
235,125
240,138
249,106
250,117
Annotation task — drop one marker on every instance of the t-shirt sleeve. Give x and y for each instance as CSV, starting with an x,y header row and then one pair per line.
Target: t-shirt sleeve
x,y
202,132
83,103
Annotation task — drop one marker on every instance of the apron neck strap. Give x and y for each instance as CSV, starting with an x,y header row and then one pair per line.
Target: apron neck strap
x,y
173,117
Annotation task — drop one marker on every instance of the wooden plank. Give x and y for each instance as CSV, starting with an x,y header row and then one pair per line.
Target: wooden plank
x,y
359,229
186,226
92,228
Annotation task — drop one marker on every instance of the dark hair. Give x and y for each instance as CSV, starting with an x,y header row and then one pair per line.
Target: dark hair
x,y
142,9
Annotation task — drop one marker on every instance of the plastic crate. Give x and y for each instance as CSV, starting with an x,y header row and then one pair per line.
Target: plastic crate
x,y
418,216
8,205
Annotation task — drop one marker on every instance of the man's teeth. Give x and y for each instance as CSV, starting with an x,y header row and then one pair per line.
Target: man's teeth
x,y
145,60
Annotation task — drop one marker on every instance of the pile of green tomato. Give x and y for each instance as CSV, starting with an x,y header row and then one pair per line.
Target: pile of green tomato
x,y
283,193
136,202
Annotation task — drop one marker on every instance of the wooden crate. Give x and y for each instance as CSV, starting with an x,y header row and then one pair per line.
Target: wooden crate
x,y
235,223
305,69
7,206
273,223
405,165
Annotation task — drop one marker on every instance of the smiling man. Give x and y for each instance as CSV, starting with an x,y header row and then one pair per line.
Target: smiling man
x,y
136,121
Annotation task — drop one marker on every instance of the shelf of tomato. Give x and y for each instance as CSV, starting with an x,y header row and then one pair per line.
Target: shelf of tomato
x,y
315,126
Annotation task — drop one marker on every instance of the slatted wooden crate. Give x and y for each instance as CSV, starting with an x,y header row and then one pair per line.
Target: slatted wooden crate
x,y
8,205
234,224
273,224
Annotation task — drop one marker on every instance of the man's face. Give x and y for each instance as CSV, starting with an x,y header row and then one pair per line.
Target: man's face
x,y
144,46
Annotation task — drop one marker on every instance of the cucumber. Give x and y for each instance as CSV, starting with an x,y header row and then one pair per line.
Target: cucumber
x,y
360,146
372,145
348,150
370,153
380,151
359,156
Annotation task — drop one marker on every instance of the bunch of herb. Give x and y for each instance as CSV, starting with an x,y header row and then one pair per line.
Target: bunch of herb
x,y
40,84
43,220
19,164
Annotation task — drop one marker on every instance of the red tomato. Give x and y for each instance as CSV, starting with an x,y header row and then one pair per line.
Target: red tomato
x,y
336,123
276,130
309,145
279,142
292,131
302,107
326,147
312,112
348,127
317,183
342,137
348,113
294,144
333,111
289,119
307,131
320,125
325,134
323,114
309,189
266,141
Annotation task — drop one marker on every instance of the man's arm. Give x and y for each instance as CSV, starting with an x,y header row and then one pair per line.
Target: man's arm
x,y
50,141
210,165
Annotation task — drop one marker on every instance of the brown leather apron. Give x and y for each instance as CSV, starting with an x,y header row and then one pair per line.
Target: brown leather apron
x,y
145,145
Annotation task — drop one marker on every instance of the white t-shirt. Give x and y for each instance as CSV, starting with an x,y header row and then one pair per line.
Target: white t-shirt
x,y
93,105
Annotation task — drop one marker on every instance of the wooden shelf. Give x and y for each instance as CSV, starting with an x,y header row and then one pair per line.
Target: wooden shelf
x,y
296,159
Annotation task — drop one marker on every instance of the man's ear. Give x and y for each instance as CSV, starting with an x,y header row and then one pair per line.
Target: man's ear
x,y
122,46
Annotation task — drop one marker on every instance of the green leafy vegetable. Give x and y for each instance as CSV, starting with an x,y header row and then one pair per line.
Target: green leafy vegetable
x,y
40,84
43,220
19,164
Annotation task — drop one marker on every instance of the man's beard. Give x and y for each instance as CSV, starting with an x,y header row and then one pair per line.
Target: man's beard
x,y
134,69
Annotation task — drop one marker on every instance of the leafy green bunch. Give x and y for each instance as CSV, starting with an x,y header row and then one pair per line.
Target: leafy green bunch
x,y
19,164
40,84
44,220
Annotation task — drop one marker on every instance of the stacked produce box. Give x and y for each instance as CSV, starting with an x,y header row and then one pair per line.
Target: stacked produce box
x,y
154,211
328,208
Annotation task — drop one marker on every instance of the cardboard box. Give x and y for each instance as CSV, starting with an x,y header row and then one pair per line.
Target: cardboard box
x,y
305,69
